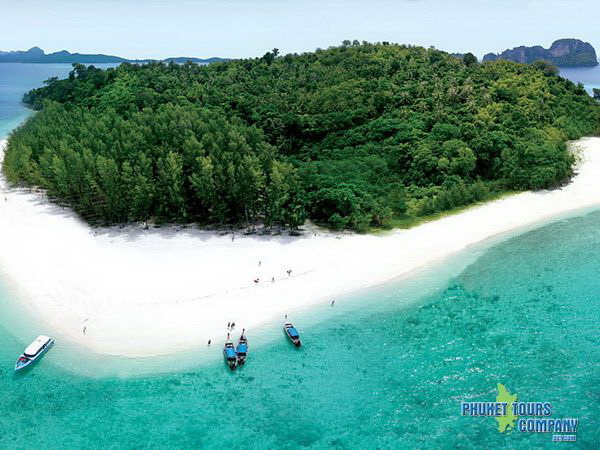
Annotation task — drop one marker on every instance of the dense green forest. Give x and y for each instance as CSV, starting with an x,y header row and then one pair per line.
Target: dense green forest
x,y
350,137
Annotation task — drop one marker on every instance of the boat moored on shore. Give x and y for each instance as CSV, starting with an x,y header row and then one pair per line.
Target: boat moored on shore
x,y
230,354
242,349
34,351
292,334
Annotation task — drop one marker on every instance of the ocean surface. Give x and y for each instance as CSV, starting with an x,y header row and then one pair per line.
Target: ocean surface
x,y
384,368
588,76
15,80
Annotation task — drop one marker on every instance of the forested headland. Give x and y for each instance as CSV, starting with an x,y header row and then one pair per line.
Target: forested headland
x,y
350,137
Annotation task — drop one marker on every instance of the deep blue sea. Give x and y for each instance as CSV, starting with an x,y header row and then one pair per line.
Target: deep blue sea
x,y
384,368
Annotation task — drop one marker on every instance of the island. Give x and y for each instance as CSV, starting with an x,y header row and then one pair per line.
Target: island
x,y
354,138
562,53
36,55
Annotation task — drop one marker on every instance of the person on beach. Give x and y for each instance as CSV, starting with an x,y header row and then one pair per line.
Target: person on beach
x,y
332,302
259,263
232,325
228,325
209,342
84,330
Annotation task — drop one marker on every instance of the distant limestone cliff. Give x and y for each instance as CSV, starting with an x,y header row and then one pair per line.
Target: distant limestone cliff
x,y
38,56
562,53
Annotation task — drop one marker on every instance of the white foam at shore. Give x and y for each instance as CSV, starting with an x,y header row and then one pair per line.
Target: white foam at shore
x,y
143,293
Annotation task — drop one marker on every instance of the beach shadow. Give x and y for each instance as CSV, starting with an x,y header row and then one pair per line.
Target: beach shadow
x,y
133,232
39,201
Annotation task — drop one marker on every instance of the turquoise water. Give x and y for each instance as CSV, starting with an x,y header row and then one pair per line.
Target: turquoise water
x,y
525,314
385,368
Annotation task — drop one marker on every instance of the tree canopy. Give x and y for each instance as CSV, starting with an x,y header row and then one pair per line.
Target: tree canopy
x,y
349,137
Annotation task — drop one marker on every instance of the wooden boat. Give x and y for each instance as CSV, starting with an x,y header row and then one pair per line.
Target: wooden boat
x,y
34,351
242,349
229,354
292,334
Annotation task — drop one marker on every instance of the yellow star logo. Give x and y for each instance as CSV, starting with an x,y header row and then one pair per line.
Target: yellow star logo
x,y
506,422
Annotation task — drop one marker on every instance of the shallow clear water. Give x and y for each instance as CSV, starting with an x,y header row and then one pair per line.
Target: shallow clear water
x,y
386,368
525,314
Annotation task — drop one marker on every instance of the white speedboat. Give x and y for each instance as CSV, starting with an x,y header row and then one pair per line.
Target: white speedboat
x,y
34,351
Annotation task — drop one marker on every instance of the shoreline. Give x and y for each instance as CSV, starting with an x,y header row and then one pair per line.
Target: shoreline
x,y
141,293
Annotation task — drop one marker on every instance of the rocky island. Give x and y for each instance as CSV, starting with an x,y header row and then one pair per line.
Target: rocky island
x,y
562,53
38,56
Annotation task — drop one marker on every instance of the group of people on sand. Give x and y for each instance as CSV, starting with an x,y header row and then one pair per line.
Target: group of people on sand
x,y
257,279
230,327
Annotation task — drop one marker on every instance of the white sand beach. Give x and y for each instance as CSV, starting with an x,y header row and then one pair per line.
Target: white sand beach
x,y
148,292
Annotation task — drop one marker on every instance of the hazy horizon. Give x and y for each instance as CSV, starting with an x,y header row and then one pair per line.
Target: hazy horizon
x,y
140,29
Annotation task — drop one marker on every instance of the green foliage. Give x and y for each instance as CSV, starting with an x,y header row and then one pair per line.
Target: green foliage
x,y
350,137
546,67
469,59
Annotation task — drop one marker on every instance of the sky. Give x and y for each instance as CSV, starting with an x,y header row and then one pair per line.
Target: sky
x,y
248,28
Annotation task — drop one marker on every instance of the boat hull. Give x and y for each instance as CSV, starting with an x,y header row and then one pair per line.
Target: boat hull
x,y
30,360
230,355
295,340
242,351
